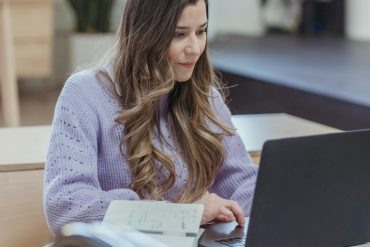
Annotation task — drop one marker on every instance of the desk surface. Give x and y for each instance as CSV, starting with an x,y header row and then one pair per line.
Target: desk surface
x,y
333,67
25,148
323,79
255,129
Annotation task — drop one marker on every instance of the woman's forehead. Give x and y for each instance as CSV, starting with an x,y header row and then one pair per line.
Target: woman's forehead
x,y
193,15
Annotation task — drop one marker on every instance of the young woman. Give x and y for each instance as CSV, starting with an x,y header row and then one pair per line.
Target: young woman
x,y
164,134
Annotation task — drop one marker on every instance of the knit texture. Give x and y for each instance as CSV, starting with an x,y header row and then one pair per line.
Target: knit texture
x,y
85,170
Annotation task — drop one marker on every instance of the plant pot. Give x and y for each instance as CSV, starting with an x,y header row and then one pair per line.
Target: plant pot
x,y
87,49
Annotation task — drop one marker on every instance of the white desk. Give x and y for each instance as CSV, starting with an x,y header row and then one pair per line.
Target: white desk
x,y
255,129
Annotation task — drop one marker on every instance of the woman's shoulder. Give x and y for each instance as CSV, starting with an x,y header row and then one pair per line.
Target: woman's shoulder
x,y
84,84
83,89
219,106
216,99
84,79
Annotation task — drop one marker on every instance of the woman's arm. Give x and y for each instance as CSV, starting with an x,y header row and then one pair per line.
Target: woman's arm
x,y
236,180
71,188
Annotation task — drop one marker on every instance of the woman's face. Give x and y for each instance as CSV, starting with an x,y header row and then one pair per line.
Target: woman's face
x,y
189,40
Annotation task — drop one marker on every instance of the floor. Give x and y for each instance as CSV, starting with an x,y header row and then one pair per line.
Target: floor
x,y
37,106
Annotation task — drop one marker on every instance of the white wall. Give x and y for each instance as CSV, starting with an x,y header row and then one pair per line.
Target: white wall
x,y
242,17
226,16
357,24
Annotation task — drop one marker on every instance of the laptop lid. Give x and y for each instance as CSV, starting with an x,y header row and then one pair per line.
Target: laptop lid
x,y
313,191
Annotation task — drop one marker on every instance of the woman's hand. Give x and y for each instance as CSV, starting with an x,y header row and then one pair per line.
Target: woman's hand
x,y
219,209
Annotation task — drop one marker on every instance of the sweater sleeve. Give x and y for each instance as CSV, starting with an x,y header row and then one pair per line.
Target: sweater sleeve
x,y
237,177
71,188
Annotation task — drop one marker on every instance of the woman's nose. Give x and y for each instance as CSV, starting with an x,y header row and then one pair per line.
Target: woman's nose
x,y
193,46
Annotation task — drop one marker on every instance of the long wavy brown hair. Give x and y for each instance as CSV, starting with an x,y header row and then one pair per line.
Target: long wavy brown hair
x,y
142,76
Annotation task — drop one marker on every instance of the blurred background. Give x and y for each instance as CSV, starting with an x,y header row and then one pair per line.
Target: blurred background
x,y
308,58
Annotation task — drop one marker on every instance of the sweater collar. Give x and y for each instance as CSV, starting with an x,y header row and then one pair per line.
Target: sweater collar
x,y
108,67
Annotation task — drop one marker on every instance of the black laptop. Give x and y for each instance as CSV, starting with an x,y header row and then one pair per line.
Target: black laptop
x,y
311,192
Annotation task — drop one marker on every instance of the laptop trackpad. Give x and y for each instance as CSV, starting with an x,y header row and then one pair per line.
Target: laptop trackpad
x,y
222,231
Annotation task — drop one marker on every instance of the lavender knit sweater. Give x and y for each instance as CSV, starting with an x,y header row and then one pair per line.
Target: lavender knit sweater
x,y
85,170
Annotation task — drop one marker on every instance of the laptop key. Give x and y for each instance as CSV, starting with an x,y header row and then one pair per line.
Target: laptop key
x,y
232,242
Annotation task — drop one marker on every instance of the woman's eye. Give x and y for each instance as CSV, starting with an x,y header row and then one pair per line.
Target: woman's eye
x,y
200,32
179,35
183,34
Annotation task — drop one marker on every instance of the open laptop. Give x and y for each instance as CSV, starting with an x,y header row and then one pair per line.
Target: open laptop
x,y
311,192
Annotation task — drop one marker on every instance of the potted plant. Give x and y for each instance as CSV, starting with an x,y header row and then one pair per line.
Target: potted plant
x,y
93,34
92,15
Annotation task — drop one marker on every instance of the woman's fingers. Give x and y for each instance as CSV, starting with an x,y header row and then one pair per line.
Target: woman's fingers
x,y
236,211
217,208
228,214
221,218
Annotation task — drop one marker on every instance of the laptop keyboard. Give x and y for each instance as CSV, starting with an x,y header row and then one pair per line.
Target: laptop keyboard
x,y
233,242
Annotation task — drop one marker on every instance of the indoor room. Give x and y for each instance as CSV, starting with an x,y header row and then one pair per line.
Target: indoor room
x,y
259,71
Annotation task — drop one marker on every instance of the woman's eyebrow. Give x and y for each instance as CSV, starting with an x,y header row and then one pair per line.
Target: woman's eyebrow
x,y
184,27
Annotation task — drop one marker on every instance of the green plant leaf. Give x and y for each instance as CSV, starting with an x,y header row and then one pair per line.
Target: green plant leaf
x,y
92,15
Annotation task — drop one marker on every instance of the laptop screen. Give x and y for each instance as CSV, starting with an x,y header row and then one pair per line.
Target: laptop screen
x,y
313,191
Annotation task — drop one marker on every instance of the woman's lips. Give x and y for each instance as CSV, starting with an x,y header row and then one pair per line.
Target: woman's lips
x,y
187,65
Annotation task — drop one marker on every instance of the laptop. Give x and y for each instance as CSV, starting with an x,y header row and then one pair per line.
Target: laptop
x,y
311,191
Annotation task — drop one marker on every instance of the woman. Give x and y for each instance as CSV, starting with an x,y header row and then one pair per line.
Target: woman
x,y
166,134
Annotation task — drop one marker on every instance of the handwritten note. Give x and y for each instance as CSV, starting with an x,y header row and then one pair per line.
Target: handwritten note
x,y
156,217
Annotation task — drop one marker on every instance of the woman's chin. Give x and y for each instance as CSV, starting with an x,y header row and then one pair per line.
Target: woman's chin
x,y
183,78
